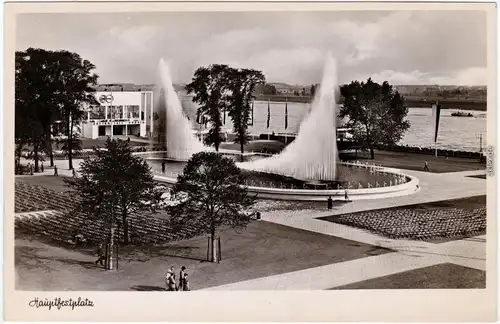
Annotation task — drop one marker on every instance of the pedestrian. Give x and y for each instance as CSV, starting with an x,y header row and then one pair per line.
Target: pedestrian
x,y
100,254
346,197
185,285
182,273
426,166
41,167
170,279
56,174
31,169
330,202
163,167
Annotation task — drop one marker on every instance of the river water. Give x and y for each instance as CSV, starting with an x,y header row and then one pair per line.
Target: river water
x,y
455,133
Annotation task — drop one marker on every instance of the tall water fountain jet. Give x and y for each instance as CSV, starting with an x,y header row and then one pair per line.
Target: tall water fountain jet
x,y
313,154
180,140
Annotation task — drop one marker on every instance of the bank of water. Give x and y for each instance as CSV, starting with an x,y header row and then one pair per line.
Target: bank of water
x,y
455,133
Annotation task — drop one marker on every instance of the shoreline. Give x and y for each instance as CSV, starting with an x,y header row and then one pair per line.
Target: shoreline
x,y
411,102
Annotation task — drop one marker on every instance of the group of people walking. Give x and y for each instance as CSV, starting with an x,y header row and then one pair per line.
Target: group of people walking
x,y
172,284
31,168
170,279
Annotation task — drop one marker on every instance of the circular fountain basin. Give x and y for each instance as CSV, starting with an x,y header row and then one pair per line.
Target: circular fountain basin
x,y
362,181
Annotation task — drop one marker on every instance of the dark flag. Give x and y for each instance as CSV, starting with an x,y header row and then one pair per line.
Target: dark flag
x,y
286,113
268,112
436,112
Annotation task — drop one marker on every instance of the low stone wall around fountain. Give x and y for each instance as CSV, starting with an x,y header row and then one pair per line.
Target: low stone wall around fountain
x,y
407,188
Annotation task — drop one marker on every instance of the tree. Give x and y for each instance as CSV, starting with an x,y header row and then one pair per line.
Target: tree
x,y
114,184
267,89
74,85
210,88
50,85
33,102
376,113
242,86
210,194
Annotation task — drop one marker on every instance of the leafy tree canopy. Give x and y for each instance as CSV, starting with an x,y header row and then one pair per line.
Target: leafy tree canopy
x,y
115,183
50,85
210,88
211,193
242,83
376,113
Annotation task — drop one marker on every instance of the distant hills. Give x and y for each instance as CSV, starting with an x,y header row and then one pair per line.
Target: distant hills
x,y
423,92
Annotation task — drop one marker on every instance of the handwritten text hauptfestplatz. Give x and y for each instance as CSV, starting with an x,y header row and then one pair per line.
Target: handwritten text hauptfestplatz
x,y
60,303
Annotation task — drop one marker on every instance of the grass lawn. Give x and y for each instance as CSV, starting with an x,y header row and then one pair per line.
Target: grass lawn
x,y
50,182
442,276
448,219
412,161
263,249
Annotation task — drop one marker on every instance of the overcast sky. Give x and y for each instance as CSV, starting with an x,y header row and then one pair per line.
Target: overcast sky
x,y
403,47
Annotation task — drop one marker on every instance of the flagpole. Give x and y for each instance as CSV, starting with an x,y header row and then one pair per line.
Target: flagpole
x,y
268,118
286,120
436,112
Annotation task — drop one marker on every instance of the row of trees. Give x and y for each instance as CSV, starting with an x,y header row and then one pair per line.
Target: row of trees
x,y
50,86
219,89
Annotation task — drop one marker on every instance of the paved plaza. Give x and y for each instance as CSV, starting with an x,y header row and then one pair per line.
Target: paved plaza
x,y
409,255
314,249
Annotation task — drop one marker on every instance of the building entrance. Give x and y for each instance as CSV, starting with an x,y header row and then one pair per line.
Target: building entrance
x,y
118,130
102,131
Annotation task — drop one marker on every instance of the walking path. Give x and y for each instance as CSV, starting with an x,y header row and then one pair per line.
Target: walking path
x,y
409,255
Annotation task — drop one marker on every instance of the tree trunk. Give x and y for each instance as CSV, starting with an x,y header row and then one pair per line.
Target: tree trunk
x,y
242,149
69,144
49,148
51,156
213,246
35,151
126,238
111,246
